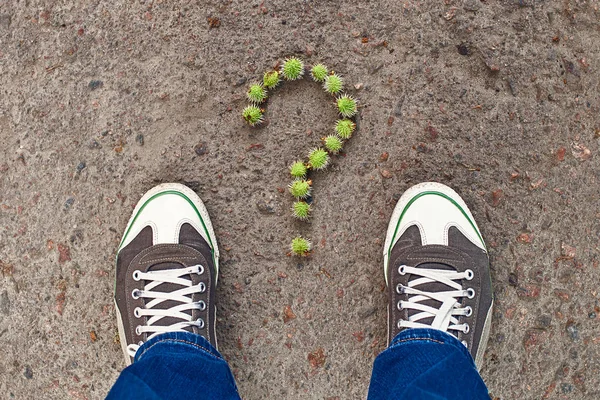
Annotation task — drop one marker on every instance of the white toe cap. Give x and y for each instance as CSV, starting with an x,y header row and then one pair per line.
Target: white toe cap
x,y
434,208
166,208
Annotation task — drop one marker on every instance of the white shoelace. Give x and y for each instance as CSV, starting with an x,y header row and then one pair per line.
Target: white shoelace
x,y
444,317
184,296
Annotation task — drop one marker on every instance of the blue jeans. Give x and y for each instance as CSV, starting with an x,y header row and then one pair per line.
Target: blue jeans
x,y
423,364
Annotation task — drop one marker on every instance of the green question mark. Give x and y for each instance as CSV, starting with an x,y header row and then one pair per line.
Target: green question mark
x,y
293,69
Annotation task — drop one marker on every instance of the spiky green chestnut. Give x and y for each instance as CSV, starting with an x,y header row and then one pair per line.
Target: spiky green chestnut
x,y
333,84
300,246
300,188
252,115
333,144
301,210
318,159
344,128
319,72
271,79
346,106
257,93
298,169
292,69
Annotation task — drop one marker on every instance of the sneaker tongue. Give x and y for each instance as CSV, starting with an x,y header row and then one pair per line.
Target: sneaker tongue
x,y
168,287
431,287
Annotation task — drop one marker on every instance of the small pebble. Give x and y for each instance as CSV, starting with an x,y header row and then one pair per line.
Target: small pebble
x,y
28,373
592,315
566,388
80,167
140,139
398,108
386,174
95,84
264,207
574,354
69,203
500,338
463,49
94,144
573,331
200,149
512,86
422,148
299,266
544,321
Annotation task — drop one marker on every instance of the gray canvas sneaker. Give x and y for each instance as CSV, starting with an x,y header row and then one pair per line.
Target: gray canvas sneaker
x,y
167,268
437,268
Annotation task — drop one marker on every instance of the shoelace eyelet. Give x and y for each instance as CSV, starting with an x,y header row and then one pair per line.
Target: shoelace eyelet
x,y
469,311
138,330
467,329
136,275
402,269
470,274
135,293
200,322
398,325
200,269
399,289
136,312
201,305
202,287
399,305
464,342
470,293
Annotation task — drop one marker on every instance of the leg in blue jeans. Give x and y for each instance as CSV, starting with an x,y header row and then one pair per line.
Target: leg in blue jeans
x,y
426,364
177,365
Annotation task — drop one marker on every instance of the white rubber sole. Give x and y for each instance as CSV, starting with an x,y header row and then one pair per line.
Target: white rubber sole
x,y
485,336
122,339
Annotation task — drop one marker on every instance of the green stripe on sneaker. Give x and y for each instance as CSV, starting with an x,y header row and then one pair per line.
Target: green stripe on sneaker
x,y
436,194
175,192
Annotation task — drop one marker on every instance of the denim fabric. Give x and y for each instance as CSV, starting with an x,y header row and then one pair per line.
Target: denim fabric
x,y
426,364
420,364
177,365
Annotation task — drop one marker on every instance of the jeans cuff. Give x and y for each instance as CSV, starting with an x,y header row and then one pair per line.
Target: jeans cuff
x,y
413,335
191,340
